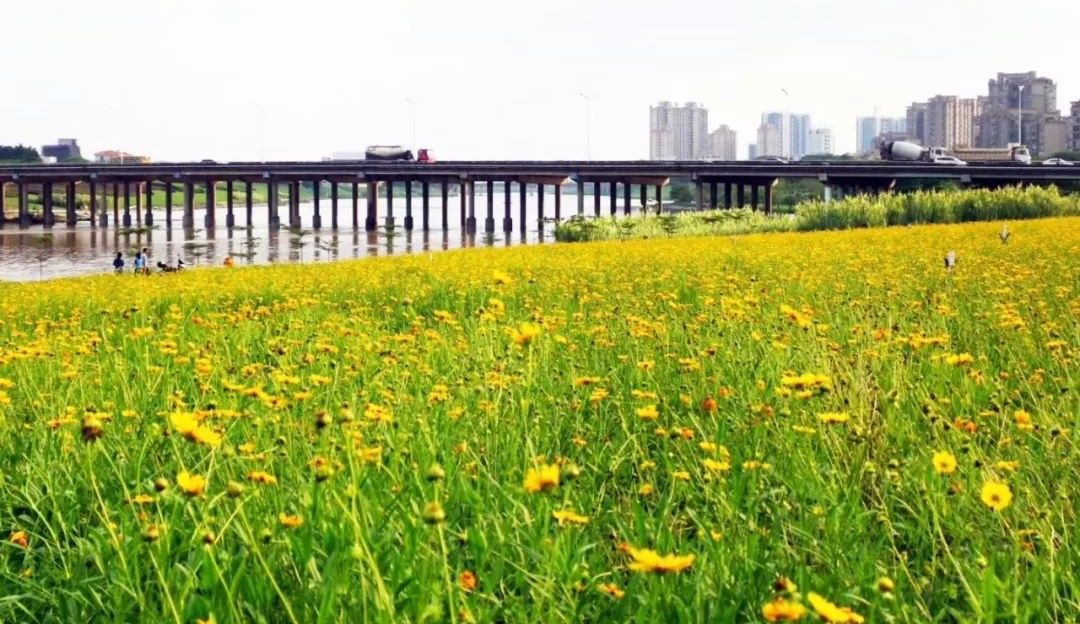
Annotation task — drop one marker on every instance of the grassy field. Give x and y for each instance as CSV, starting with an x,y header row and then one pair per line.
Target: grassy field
x,y
860,211
818,426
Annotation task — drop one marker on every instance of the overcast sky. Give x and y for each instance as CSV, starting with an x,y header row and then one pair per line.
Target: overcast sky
x,y
237,79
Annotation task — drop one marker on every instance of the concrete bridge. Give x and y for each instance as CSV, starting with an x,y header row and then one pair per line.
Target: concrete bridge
x,y
717,184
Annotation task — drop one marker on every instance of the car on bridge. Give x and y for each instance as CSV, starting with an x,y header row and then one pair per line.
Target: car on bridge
x,y
1057,162
948,160
777,160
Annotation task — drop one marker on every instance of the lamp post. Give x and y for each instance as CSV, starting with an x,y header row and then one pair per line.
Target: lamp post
x,y
588,126
1020,115
412,145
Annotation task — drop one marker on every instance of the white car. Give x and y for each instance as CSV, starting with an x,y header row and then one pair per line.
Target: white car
x,y
948,160
1057,162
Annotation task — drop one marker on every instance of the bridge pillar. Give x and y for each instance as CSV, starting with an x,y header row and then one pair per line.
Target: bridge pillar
x,y
103,217
445,205
116,204
388,222
69,196
540,206
470,222
24,204
127,205
727,195
168,204
356,205
768,198
489,221
613,197
138,190
627,191
713,200
699,189
580,197
189,205
211,204
47,216
463,205
408,206
148,216
522,188
596,198
508,221
754,197
273,217
659,198
741,195
372,196
644,197
333,205
93,204
425,205
316,219
230,215
558,201
248,204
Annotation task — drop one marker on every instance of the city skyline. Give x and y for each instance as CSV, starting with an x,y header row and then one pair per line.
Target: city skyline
x,y
244,79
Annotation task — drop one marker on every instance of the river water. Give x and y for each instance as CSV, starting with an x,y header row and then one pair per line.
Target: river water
x,y
38,253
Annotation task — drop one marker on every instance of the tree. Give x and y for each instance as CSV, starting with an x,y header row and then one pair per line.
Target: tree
x,y
19,154
1070,155
681,194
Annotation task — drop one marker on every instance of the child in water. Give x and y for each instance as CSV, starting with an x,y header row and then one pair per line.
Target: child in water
x,y
118,263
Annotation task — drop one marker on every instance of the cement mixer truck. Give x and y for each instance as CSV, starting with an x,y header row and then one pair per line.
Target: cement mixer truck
x,y
906,151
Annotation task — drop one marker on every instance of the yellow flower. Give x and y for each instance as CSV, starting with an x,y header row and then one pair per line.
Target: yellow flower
x,y
716,466
192,485
188,426
524,334
944,462
544,477
834,418
569,517
500,278
1023,420
290,522
781,610
961,359
649,412
650,561
646,489
258,476
611,589
832,613
996,495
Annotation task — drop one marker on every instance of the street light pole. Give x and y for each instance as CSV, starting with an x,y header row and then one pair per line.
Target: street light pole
x,y
1020,116
588,126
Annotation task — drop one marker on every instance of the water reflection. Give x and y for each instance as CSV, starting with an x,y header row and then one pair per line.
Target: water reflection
x,y
37,253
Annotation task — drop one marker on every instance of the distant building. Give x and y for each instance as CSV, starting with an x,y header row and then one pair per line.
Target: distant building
x,y
751,151
770,140
892,125
820,142
1006,108
1074,117
866,128
678,132
65,149
916,122
722,144
799,141
950,122
114,157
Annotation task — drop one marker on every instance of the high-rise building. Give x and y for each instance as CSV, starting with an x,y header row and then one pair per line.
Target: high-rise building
x,y
1025,98
892,125
820,141
722,144
678,132
800,135
778,121
866,128
950,121
916,122
751,151
64,149
1074,117
770,140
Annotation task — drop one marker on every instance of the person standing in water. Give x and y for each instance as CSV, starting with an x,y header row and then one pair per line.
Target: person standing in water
x,y
118,262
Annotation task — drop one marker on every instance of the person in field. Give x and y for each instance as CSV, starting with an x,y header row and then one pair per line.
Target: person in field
x,y
118,262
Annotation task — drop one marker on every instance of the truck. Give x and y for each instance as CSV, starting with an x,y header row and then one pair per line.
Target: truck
x,y
905,150
387,152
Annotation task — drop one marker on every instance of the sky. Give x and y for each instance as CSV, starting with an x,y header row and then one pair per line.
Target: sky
x,y
479,79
